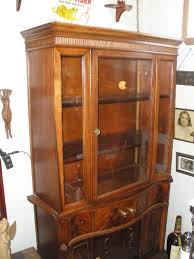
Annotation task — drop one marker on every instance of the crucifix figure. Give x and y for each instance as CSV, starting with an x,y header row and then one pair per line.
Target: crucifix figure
x,y
6,111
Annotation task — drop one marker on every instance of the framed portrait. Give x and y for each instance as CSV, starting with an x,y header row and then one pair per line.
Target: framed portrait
x,y
184,125
185,164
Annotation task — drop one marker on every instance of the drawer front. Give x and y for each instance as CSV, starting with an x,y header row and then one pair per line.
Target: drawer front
x,y
120,213
81,224
158,194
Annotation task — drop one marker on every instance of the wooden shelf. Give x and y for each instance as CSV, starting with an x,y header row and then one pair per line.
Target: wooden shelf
x,y
123,99
72,194
111,180
120,7
71,102
119,177
108,144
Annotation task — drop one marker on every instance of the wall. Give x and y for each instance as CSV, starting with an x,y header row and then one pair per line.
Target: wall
x,y
17,181
182,187
162,17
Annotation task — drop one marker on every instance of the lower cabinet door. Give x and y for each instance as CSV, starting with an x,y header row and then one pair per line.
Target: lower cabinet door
x,y
150,233
82,250
121,244
142,240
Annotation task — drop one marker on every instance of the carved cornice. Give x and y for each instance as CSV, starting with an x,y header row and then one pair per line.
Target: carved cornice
x,y
100,44
59,34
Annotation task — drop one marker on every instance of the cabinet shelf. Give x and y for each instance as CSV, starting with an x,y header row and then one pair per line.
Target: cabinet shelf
x,y
77,101
73,193
110,143
110,179
123,99
119,177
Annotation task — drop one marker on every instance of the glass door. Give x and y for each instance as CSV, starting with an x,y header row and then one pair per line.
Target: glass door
x,y
75,87
123,119
165,118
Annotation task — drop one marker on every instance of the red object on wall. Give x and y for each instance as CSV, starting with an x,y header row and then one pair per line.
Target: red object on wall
x,y
84,1
3,213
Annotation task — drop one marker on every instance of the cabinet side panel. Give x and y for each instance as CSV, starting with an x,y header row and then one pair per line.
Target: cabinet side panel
x,y
43,132
47,234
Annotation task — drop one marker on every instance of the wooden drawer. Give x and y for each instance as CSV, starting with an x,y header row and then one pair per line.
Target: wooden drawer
x,y
81,224
158,194
120,213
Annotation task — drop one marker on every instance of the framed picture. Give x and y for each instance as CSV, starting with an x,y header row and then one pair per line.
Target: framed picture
x,y
184,125
185,77
185,164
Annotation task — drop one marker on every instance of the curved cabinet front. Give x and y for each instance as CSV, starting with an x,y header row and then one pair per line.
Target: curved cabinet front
x,y
100,139
140,239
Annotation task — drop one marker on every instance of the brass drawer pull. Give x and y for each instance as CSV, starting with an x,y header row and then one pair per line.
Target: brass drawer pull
x,y
124,214
131,210
96,132
63,248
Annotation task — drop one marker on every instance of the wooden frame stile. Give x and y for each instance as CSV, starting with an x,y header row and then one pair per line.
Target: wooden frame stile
x,y
152,124
58,119
162,224
155,117
87,131
94,122
170,119
185,23
171,127
84,53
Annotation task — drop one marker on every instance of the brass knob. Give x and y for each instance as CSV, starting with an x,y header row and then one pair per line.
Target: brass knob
x,y
131,210
63,248
96,132
124,214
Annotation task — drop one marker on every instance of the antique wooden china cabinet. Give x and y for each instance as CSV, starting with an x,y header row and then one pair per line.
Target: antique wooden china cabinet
x,y
101,116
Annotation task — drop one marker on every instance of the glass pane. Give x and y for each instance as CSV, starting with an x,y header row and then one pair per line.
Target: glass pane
x,y
123,121
165,85
72,128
